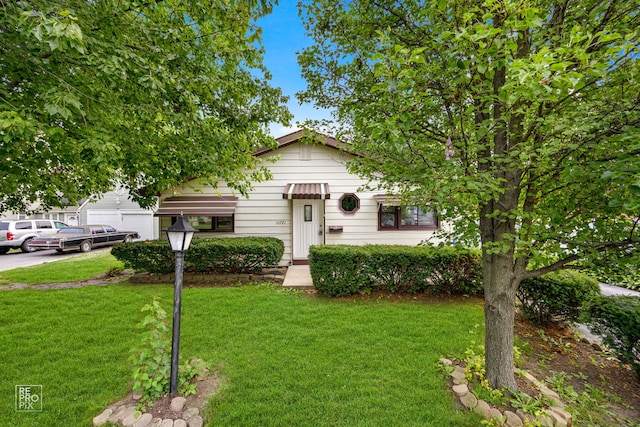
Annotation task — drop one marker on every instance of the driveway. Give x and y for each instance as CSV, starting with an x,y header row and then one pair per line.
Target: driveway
x,y
17,259
607,290
610,290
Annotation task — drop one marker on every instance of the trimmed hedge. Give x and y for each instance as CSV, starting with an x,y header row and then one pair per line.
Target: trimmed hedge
x,y
342,270
216,255
557,296
617,320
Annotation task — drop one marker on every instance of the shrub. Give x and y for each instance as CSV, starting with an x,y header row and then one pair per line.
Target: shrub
x,y
220,255
617,321
337,270
342,270
557,296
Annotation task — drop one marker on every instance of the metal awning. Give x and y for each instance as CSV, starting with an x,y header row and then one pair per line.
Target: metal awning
x,y
306,191
387,199
198,206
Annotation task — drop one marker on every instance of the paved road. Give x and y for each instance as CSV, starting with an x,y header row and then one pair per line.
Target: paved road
x,y
19,259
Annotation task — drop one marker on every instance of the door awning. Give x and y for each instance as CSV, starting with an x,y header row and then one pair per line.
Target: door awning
x,y
387,200
198,206
306,191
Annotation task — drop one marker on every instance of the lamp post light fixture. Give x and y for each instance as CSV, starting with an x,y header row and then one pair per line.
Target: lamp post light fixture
x,y
180,235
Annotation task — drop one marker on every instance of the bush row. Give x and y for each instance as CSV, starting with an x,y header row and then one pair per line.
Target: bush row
x,y
557,296
215,255
342,270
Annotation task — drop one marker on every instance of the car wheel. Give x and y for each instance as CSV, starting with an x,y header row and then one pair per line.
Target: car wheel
x,y
85,246
26,248
4,250
128,239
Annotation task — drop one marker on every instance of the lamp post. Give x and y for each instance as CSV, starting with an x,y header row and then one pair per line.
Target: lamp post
x,y
180,235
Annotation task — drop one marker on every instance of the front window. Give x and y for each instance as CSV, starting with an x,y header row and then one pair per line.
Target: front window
x,y
218,224
407,218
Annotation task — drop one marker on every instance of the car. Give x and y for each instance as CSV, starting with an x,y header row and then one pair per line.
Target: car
x,y
83,238
18,233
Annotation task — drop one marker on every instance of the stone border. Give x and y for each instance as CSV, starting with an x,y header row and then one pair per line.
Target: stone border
x,y
555,416
127,415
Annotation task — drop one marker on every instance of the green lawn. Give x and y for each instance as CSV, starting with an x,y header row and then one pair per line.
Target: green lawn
x,y
287,359
81,267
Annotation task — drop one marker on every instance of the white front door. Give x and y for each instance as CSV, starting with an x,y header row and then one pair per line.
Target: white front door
x,y
308,226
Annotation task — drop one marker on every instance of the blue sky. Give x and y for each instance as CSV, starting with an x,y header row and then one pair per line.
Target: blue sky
x,y
283,36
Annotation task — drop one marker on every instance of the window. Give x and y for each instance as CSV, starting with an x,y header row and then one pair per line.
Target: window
x,y
53,216
349,203
308,213
44,224
25,225
218,224
406,218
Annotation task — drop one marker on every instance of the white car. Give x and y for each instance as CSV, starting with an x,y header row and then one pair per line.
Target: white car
x,y
18,234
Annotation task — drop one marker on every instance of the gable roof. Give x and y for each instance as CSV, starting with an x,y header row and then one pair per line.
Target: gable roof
x,y
301,135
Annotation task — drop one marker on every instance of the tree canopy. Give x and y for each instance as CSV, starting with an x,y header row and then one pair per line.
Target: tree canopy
x,y
518,121
142,93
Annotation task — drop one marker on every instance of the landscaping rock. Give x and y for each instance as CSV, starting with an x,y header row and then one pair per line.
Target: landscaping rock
x,y
167,423
469,400
118,414
102,418
483,408
191,412
558,421
143,421
195,421
512,419
495,413
458,373
177,404
180,423
526,418
136,396
564,414
460,389
130,420
545,421
446,362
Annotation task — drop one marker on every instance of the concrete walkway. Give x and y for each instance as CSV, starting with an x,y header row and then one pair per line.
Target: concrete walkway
x,y
298,277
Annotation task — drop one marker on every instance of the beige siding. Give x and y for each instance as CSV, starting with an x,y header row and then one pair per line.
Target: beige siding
x,y
266,213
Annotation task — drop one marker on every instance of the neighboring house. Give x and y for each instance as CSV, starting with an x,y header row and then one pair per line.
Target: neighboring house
x,y
113,208
311,200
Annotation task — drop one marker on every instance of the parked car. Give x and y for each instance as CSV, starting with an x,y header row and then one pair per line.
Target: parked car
x,y
18,234
83,237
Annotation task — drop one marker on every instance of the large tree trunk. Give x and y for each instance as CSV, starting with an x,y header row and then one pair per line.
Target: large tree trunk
x,y
499,311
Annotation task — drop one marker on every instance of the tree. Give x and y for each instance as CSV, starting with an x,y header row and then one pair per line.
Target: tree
x,y
142,93
516,120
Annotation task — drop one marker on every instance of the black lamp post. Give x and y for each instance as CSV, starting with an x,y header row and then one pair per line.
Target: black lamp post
x,y
180,235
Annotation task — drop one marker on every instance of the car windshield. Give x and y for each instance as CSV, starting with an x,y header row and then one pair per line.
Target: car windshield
x,y
71,230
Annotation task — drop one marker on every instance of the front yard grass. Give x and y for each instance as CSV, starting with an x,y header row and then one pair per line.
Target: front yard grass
x,y
284,358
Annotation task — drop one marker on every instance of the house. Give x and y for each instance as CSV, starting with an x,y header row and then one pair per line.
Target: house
x,y
112,208
311,200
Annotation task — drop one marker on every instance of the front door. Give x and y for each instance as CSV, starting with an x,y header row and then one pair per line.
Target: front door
x,y
308,226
